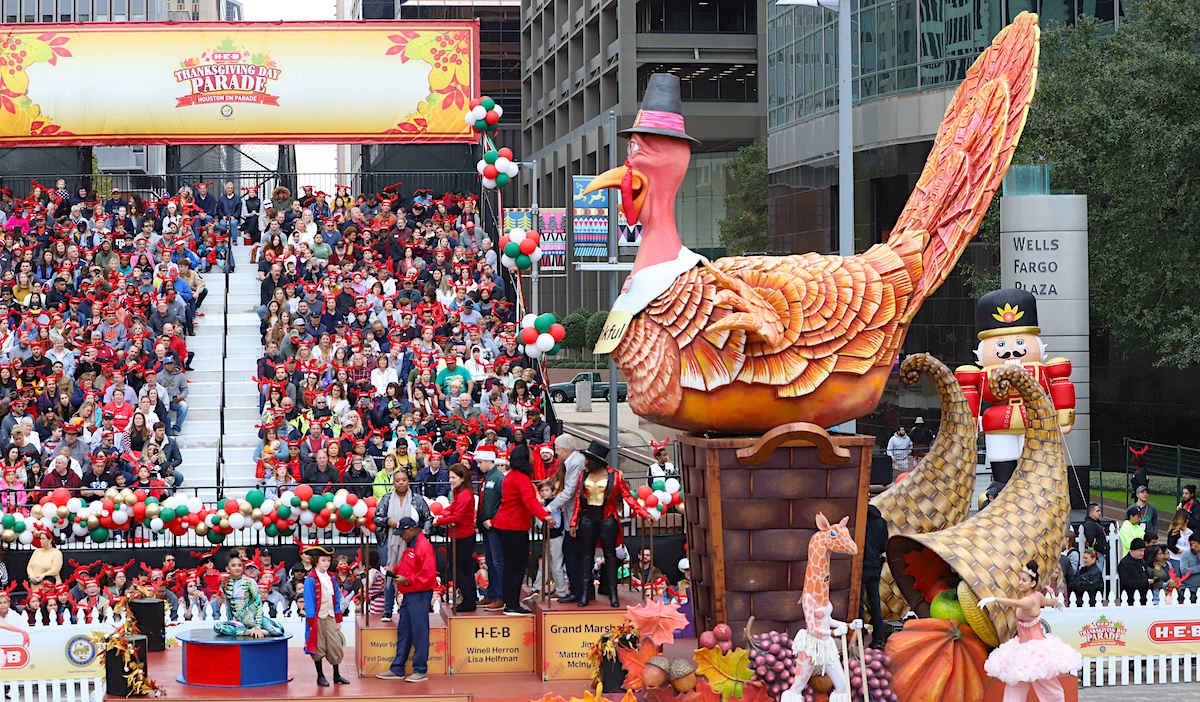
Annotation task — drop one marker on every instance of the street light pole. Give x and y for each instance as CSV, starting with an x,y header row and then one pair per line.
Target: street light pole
x,y
535,225
614,433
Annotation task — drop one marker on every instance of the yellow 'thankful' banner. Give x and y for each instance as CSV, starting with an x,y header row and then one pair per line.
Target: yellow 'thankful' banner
x,y
237,82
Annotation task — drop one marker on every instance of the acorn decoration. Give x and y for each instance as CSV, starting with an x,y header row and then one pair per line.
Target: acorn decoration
x,y
682,672
656,673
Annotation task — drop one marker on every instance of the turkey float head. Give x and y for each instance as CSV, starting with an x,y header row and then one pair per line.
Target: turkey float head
x,y
749,343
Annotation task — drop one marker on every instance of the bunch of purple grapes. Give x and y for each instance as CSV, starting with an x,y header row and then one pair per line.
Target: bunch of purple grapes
x,y
773,662
878,676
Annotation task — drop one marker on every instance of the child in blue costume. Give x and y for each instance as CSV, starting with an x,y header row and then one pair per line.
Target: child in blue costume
x,y
244,606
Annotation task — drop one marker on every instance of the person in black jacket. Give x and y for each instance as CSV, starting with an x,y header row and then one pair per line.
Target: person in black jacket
x,y
877,536
1094,533
1088,581
1132,573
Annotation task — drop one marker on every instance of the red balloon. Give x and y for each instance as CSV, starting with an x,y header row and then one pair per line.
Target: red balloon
x,y
371,502
106,521
321,520
529,335
558,331
304,492
645,491
370,511
505,152
436,508
676,498
193,518
476,102
351,499
231,506
490,171
651,500
139,511
140,494
343,526
60,496
528,245
491,117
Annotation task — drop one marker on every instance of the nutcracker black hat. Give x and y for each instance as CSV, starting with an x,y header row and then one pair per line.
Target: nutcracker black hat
x,y
1007,311
662,109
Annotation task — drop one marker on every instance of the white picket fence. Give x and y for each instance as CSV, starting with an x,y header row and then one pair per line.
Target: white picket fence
x,y
79,690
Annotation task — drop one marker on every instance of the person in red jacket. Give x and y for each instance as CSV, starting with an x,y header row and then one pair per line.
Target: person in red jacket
x,y
519,504
461,516
597,518
416,576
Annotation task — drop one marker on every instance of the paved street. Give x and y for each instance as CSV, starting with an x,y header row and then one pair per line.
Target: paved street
x,y
1140,693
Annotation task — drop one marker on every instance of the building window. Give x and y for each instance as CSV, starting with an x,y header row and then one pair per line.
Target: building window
x,y
697,16
29,11
83,10
707,82
101,9
379,9
137,10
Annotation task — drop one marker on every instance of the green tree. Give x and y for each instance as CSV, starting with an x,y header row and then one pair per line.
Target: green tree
x,y
744,227
595,325
576,326
1115,116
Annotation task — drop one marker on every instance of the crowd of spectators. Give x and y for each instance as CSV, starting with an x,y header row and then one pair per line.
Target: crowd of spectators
x,y
99,293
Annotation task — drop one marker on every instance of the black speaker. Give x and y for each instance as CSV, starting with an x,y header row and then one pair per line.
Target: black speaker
x,y
151,617
114,666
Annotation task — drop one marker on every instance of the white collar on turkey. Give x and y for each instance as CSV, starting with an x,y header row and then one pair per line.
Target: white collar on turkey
x,y
652,281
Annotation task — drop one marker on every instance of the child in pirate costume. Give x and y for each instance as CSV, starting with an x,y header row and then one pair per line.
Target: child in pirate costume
x,y
323,615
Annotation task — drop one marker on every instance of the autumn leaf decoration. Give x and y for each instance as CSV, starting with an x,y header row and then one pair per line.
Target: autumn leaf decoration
x,y
448,54
727,673
633,660
658,621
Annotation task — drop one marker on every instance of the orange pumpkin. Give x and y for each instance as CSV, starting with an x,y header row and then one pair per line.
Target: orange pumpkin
x,y
935,660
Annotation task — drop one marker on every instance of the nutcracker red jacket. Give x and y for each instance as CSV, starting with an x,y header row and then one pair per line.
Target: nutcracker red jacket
x,y
518,503
419,565
460,514
616,486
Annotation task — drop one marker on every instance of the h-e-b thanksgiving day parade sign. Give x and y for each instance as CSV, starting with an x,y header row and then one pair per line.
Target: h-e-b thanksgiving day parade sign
x,y
251,82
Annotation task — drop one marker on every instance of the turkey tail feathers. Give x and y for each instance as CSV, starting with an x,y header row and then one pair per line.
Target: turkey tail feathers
x,y
971,154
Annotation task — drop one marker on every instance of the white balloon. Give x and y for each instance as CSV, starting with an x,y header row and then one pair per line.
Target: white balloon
x,y
307,517
507,262
489,183
528,320
444,500
532,352
195,505
257,525
268,505
360,508
503,164
237,520
654,512
513,169
120,516
286,497
545,342
672,485
78,529
664,498
536,255
156,524
516,236
499,110
74,504
478,112
480,166
26,537
468,117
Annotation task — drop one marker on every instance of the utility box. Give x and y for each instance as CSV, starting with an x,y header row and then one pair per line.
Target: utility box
x,y
583,396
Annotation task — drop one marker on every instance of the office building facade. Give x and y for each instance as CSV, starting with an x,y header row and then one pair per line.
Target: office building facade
x,y
583,58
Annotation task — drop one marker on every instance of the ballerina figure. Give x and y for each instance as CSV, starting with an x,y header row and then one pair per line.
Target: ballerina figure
x,y
1032,658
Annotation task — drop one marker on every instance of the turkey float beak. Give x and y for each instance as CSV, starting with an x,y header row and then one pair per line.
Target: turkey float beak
x,y
632,184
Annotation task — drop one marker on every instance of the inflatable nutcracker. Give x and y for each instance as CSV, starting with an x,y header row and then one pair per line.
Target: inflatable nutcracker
x,y
1008,333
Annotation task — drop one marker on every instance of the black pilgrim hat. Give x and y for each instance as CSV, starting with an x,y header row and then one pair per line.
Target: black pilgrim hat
x,y
662,109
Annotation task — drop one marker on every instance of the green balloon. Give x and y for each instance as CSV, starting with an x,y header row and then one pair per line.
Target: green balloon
x,y
658,484
8,520
523,262
215,538
19,527
180,511
543,322
501,180
296,501
99,535
482,125
491,156
284,512
272,530
255,497
488,103
512,249
151,500
316,503
554,350
286,532
345,511
167,514
214,519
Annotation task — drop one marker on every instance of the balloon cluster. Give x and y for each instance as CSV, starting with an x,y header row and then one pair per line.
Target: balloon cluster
x,y
520,249
497,167
484,115
541,334
124,509
660,495
439,505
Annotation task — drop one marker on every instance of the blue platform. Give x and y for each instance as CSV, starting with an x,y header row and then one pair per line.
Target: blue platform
x,y
213,660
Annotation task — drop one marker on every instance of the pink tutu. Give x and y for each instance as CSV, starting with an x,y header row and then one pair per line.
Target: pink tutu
x,y
1018,661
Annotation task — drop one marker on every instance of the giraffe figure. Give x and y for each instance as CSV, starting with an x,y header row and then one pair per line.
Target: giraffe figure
x,y
815,648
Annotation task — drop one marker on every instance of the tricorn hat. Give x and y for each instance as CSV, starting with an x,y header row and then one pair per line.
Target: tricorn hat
x,y
662,109
1007,311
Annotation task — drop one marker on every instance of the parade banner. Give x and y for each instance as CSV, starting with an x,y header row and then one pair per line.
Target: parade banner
x,y
51,653
1102,632
566,639
238,82
553,228
589,220
492,644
